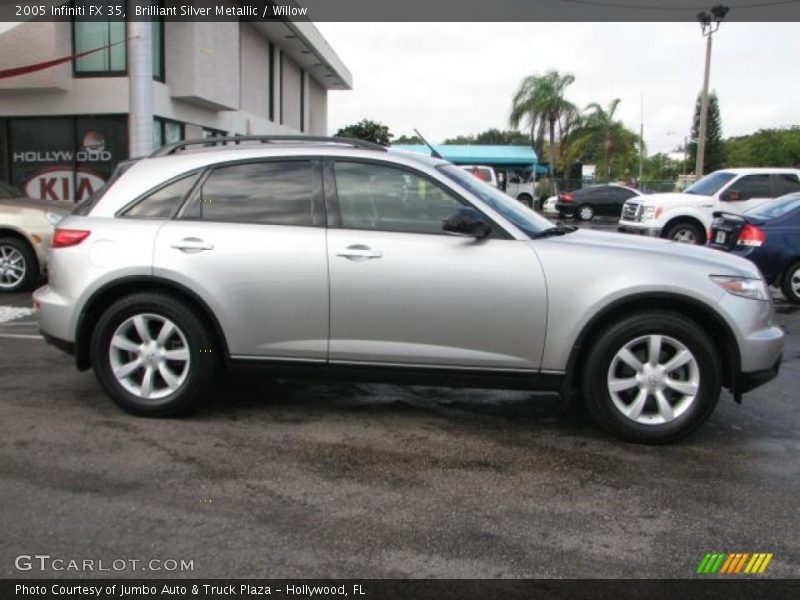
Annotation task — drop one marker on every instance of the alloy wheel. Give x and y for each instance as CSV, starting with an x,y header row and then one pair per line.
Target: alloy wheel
x,y
653,379
149,356
12,267
684,236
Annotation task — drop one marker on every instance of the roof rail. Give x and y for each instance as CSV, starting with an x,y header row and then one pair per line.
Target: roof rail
x,y
266,139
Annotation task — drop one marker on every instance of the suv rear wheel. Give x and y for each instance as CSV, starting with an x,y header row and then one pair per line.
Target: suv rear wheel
x,y
153,355
652,378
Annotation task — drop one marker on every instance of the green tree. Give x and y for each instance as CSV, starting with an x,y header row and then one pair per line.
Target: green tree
x,y
765,148
408,140
715,150
492,137
370,131
540,103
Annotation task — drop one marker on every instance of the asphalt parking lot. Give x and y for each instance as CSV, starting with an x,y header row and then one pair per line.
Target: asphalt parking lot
x,y
280,478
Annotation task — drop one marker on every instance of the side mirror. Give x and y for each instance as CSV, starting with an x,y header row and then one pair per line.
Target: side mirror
x,y
731,196
467,222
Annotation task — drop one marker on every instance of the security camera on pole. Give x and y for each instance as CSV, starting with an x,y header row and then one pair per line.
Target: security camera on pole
x,y
709,23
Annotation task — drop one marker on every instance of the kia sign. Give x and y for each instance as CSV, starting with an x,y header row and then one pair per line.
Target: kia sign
x,y
63,183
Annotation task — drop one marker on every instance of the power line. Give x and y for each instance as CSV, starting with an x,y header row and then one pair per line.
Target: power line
x,y
678,8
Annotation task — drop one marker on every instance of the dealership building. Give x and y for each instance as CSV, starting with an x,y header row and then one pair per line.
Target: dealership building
x,y
144,84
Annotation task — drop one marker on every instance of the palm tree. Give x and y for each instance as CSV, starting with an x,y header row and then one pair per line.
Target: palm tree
x,y
601,122
540,102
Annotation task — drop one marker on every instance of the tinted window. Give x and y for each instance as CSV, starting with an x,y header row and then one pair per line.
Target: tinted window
x,y
788,183
272,193
753,186
388,199
163,203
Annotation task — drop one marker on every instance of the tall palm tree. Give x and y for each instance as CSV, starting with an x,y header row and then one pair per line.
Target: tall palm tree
x,y
540,103
600,121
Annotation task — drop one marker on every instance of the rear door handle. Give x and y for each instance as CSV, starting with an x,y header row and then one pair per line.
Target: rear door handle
x,y
359,252
192,244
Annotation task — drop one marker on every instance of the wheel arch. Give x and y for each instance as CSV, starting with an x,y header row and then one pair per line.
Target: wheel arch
x,y
722,336
684,218
113,291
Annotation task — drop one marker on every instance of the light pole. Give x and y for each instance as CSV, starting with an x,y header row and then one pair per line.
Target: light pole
x,y
709,23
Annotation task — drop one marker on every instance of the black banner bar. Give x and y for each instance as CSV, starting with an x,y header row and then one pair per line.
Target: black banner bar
x,y
386,589
399,10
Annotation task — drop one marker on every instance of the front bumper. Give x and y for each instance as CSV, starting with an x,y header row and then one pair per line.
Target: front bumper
x,y
648,231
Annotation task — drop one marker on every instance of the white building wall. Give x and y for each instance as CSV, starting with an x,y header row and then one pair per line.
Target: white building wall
x,y
290,82
317,103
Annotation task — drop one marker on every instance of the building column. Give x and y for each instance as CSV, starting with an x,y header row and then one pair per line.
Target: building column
x,y
278,75
140,81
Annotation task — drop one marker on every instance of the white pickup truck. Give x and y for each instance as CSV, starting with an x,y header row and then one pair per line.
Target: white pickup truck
x,y
686,216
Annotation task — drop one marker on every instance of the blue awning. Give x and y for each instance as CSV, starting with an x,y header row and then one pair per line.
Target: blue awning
x,y
518,157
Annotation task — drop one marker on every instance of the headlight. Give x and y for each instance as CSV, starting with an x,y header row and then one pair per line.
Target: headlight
x,y
651,212
743,286
53,218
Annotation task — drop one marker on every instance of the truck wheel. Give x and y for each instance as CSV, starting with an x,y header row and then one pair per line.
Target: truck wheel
x,y
686,233
652,378
791,283
153,355
526,199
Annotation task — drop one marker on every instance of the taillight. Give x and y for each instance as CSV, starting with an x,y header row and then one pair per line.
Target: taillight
x,y
751,236
63,238
566,197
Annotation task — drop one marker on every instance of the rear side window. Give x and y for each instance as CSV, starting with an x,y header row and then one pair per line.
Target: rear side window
x,y
164,202
753,186
268,193
788,183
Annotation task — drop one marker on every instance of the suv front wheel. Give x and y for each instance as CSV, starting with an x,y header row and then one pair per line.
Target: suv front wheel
x,y
652,378
153,355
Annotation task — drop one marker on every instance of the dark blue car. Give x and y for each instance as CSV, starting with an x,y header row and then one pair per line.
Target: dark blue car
x,y
769,235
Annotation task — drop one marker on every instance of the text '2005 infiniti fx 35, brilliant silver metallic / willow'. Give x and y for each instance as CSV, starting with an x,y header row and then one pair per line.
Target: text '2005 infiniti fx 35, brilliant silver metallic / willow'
x,y
333,257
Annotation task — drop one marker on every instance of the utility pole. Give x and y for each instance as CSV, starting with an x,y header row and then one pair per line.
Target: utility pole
x,y
709,24
641,140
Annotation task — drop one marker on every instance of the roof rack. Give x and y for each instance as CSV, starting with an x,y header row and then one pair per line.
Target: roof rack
x,y
266,139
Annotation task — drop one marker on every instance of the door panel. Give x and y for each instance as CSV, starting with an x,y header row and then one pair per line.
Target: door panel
x,y
435,300
267,284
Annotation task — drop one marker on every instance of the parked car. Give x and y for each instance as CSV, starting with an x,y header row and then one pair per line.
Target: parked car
x,y
335,258
686,216
549,205
25,229
601,200
769,235
521,187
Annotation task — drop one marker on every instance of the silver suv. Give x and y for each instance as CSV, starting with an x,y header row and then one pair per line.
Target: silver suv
x,y
338,257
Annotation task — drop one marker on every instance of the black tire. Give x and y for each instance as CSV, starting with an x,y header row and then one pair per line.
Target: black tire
x,y
29,263
584,212
203,352
687,233
526,199
791,275
599,362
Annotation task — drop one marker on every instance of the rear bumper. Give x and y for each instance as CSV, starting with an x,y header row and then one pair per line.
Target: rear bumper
x,y
648,231
62,345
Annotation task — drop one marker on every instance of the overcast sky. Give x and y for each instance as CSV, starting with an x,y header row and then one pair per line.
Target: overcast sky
x,y
448,79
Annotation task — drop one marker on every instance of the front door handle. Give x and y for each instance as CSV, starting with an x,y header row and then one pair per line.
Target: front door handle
x,y
359,252
192,244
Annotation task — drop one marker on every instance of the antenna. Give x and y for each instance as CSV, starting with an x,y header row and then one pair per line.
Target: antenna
x,y
434,153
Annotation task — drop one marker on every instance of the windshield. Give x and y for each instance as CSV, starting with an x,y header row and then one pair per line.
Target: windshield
x,y
8,191
777,208
520,215
710,184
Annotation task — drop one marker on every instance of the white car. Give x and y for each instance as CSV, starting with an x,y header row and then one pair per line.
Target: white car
x,y
686,216
549,205
482,172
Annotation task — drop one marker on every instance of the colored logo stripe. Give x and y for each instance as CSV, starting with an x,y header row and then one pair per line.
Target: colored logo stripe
x,y
735,563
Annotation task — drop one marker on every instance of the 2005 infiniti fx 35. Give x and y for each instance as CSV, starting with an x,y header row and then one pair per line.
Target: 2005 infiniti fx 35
x,y
336,257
